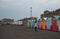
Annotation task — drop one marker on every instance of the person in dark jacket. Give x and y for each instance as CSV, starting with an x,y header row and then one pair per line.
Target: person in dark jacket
x,y
36,29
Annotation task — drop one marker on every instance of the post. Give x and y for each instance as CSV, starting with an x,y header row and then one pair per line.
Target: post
x,y
30,11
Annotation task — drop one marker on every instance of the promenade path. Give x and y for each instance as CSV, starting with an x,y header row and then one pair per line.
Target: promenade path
x,y
19,32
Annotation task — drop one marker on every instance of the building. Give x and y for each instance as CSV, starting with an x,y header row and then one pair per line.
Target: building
x,y
48,14
26,20
7,20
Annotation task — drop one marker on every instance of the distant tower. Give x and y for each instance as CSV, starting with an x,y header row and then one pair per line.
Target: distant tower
x,y
30,11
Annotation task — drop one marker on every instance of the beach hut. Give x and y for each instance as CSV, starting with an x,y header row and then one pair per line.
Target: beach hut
x,y
33,24
48,23
58,25
28,23
54,26
43,25
58,22
39,25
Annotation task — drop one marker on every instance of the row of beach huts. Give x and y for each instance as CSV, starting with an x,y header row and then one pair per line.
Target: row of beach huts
x,y
49,20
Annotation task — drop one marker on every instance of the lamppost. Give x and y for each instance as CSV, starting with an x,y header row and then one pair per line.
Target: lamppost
x,y
30,11
31,15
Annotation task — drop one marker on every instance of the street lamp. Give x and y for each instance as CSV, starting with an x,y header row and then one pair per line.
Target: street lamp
x,y
30,11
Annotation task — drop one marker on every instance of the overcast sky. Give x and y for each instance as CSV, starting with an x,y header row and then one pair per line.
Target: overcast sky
x,y
19,9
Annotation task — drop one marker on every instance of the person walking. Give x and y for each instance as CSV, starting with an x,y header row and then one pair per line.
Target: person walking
x,y
36,29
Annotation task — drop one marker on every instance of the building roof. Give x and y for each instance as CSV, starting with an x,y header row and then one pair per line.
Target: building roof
x,y
7,19
51,13
30,18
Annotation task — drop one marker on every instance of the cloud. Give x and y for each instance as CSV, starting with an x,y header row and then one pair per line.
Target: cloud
x,y
43,1
15,3
22,7
12,3
47,2
54,2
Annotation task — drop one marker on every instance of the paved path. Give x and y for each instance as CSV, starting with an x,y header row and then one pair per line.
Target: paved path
x,y
17,32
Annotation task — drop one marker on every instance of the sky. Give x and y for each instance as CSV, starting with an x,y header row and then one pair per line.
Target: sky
x,y
19,9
